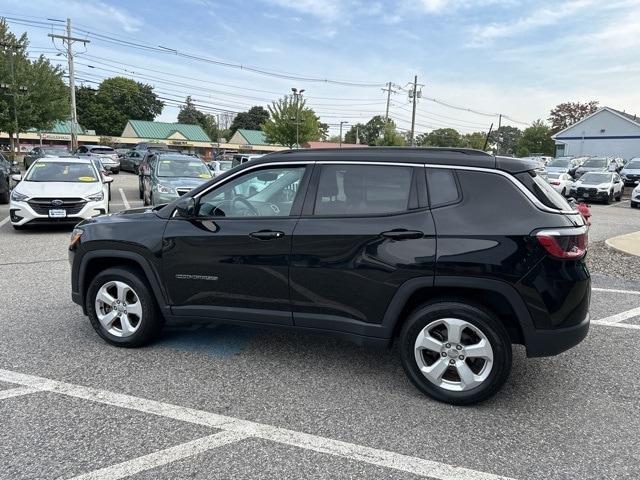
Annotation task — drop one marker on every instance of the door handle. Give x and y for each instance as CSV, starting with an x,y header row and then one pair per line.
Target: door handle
x,y
403,234
266,235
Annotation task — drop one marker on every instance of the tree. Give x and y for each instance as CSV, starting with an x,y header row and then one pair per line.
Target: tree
x,y
536,140
568,113
442,137
281,126
508,138
116,101
390,136
374,129
357,129
250,120
323,131
190,115
33,92
473,140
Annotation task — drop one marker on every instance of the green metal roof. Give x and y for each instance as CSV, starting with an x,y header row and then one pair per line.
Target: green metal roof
x,y
254,137
163,130
61,128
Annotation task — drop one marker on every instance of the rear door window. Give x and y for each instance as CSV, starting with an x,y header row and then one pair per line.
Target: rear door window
x,y
363,189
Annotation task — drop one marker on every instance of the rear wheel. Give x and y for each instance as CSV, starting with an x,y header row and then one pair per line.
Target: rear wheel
x,y
455,352
122,309
4,197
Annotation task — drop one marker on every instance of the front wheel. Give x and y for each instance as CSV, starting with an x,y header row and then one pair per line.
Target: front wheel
x,y
122,309
609,198
455,352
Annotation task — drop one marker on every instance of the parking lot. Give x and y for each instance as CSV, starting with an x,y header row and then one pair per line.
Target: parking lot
x,y
211,401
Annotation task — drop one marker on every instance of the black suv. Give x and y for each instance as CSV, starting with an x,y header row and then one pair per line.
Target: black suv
x,y
454,253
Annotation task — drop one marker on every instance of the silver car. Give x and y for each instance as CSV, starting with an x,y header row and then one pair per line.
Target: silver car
x,y
630,173
108,156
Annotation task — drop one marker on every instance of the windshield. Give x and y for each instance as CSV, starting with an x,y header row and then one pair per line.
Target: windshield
x,y
560,162
226,165
596,178
62,172
55,151
102,150
168,167
595,163
554,176
633,165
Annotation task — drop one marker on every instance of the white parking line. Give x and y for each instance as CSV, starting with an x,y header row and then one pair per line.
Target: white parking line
x,y
619,317
613,290
618,325
124,199
374,456
162,457
17,392
3,221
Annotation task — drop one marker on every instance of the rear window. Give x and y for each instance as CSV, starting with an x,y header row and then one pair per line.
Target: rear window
x,y
543,191
102,150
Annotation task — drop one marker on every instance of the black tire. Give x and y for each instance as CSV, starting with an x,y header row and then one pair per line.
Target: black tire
x,y
480,318
609,198
4,196
115,172
151,322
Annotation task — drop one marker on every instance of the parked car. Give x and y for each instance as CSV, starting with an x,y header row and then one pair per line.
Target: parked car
x,y
561,182
598,186
166,176
121,152
240,158
347,242
107,155
562,165
151,146
131,161
593,164
56,190
7,169
44,152
635,197
218,167
631,172
104,173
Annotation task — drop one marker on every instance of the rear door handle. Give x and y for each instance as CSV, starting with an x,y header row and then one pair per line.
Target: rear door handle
x,y
266,235
403,234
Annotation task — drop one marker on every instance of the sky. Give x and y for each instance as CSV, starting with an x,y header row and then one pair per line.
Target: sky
x,y
518,58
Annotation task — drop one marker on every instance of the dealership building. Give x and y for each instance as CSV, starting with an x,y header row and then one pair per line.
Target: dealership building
x,y
605,133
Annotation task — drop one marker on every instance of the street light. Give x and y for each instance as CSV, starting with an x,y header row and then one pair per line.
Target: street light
x,y
297,94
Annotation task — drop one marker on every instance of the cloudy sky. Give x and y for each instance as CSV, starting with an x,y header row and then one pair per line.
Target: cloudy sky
x,y
515,57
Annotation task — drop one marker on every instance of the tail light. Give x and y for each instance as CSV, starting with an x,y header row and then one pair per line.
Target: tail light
x,y
564,243
554,182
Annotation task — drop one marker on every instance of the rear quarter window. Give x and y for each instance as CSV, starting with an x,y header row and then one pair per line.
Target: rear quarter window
x,y
443,187
543,191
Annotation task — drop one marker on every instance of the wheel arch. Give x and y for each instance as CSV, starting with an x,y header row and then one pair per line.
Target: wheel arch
x,y
496,296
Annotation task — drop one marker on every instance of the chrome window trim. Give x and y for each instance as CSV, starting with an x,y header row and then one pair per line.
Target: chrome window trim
x,y
530,196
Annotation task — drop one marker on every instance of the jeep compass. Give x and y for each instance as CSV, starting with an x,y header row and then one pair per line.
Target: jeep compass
x,y
454,254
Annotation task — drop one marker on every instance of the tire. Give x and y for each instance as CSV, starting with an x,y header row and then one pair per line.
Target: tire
x,y
142,328
619,197
115,172
634,205
490,376
609,198
4,197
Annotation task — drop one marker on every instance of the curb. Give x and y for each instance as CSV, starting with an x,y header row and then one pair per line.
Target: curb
x,y
618,244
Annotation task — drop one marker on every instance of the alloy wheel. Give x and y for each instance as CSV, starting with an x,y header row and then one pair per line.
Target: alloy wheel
x,y
453,354
118,309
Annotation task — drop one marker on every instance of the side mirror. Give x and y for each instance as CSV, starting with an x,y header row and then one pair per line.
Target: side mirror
x,y
186,207
16,177
108,179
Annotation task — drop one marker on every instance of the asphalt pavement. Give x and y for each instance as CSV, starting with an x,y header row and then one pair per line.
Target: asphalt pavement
x,y
210,401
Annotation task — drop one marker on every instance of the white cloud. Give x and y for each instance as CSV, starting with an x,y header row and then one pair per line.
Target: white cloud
x,y
326,10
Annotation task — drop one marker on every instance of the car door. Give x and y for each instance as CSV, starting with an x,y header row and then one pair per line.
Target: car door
x,y
364,232
231,259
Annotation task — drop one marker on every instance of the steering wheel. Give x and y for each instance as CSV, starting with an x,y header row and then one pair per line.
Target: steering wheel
x,y
251,209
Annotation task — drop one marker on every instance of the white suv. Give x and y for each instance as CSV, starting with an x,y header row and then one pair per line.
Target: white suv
x,y
56,190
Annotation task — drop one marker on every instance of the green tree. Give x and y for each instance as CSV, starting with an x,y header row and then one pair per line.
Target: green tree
x,y
568,113
357,129
374,129
190,115
249,120
473,140
508,137
281,126
32,91
390,136
116,101
536,140
442,137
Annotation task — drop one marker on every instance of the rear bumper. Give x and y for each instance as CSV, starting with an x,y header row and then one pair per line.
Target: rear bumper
x,y
545,343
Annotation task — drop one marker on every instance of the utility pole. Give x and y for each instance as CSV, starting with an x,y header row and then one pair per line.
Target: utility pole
x,y
69,40
413,114
357,134
13,88
342,122
297,94
498,134
388,90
